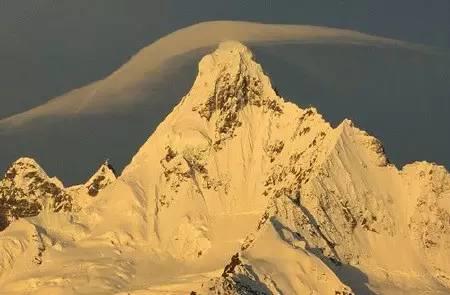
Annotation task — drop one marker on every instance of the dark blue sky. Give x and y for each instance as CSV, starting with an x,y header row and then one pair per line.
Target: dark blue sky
x,y
51,46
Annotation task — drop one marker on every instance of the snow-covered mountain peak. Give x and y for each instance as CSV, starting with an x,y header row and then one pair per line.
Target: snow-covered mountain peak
x,y
229,95
227,58
22,166
25,171
27,189
235,171
229,79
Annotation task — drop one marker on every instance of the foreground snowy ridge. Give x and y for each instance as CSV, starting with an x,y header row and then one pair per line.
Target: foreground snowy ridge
x,y
236,192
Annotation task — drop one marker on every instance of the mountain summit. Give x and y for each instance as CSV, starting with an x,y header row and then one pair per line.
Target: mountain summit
x,y
228,80
240,192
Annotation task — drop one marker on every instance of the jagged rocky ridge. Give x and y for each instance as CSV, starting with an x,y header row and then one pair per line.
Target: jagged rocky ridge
x,y
240,192
26,190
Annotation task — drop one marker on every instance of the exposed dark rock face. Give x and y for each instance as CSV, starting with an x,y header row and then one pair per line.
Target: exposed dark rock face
x,y
26,189
238,278
229,268
96,185
104,176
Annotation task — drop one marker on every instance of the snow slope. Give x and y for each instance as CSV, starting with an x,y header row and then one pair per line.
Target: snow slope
x,y
240,192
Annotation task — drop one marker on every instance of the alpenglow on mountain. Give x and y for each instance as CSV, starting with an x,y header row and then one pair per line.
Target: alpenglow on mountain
x,y
236,192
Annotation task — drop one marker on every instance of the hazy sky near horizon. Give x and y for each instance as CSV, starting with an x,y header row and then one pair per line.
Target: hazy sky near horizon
x,y
51,46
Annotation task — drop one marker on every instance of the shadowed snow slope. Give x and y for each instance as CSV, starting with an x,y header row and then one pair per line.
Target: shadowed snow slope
x,y
240,192
313,64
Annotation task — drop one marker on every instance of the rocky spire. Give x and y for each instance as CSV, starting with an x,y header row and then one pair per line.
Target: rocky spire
x,y
102,178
